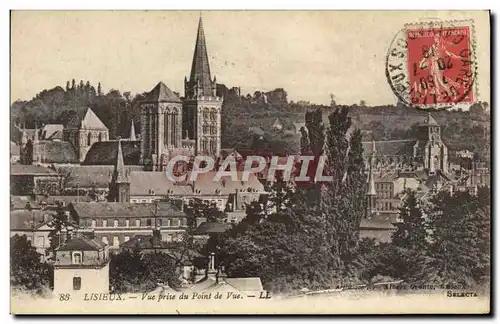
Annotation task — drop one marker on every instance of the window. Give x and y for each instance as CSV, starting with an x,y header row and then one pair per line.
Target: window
x,y
115,223
133,200
77,258
169,223
169,237
175,222
116,241
144,201
94,223
77,283
159,222
148,222
138,223
89,139
40,241
104,223
100,137
127,223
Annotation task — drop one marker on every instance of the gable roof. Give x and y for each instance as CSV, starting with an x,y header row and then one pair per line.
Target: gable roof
x,y
85,118
161,93
118,210
87,176
29,220
80,243
30,169
104,153
52,131
141,182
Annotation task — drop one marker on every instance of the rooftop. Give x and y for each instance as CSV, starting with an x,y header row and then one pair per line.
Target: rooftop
x,y
118,210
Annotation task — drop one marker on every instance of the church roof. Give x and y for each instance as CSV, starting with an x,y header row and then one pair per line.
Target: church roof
x,y
119,174
57,152
392,147
85,118
161,93
380,220
52,131
104,153
87,176
200,69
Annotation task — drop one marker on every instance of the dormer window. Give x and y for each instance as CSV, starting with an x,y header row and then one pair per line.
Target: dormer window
x,y
76,258
198,191
217,191
170,191
152,192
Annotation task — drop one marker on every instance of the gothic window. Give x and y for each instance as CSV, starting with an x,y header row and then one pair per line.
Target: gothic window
x,y
205,128
77,257
213,146
213,130
89,139
165,128
205,113
213,115
174,118
204,145
100,137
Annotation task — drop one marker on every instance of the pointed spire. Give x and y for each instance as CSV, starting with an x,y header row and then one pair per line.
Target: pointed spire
x,y
431,121
119,172
200,69
132,132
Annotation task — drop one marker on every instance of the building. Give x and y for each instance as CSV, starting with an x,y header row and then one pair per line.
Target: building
x,y
226,193
35,225
201,106
83,130
427,151
30,179
170,126
113,223
81,266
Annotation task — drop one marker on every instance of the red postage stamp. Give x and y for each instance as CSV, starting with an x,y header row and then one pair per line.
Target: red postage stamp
x,y
432,65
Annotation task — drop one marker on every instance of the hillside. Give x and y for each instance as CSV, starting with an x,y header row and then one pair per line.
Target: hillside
x,y
461,129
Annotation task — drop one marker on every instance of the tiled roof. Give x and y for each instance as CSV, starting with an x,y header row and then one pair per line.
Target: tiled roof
x,y
24,219
85,118
115,209
29,169
246,284
380,220
393,147
256,130
161,93
104,153
207,184
57,152
80,243
141,182
52,131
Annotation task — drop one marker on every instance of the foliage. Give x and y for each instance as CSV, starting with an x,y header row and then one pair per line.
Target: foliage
x,y
26,270
136,272
59,222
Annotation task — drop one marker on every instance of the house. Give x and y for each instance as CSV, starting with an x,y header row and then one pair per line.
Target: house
x,y
35,225
81,266
114,223
379,226
52,132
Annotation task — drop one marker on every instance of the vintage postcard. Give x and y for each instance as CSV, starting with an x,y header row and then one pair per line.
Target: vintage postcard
x,y
250,162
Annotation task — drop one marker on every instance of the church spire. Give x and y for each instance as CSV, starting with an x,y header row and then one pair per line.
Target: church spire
x,y
119,174
200,69
132,132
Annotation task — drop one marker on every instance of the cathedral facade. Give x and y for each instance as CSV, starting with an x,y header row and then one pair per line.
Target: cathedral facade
x,y
191,126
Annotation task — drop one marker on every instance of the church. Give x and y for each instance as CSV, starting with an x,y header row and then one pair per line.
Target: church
x,y
190,126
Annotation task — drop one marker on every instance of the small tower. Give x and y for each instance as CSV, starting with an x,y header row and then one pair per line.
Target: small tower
x,y
132,132
119,187
370,192
36,146
81,266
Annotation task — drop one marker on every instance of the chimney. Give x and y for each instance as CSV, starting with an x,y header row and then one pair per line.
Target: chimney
x,y
211,272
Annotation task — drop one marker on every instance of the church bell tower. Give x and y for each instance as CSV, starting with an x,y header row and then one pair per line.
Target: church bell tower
x,y
201,107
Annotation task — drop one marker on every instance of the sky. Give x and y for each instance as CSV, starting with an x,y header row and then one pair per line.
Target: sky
x,y
311,54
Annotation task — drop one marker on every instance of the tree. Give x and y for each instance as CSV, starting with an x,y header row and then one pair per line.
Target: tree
x,y
99,90
59,222
27,272
411,231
